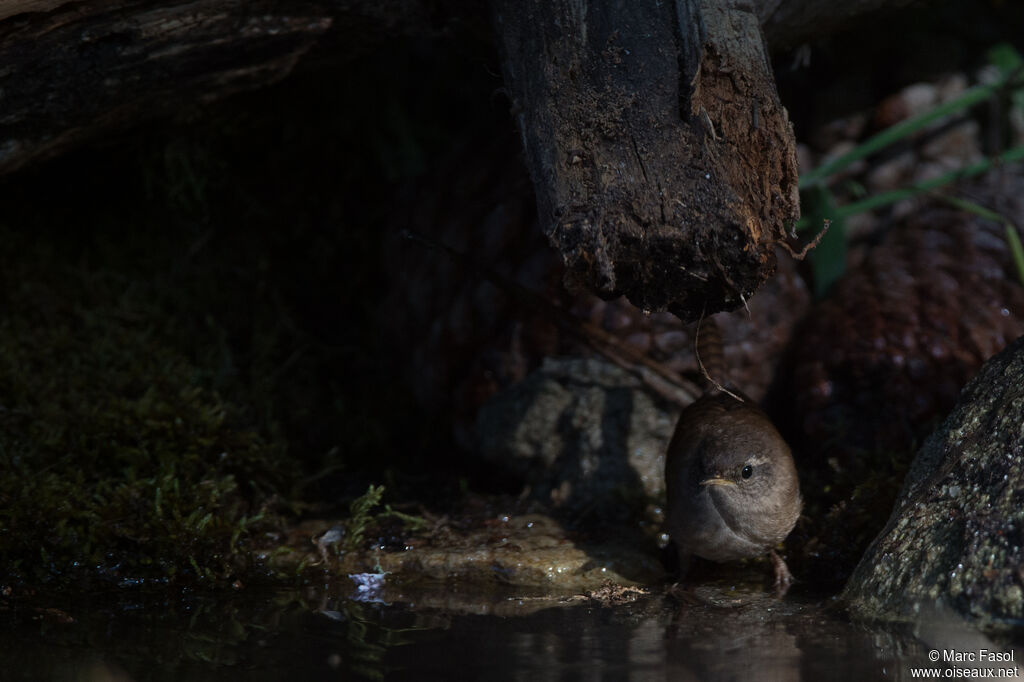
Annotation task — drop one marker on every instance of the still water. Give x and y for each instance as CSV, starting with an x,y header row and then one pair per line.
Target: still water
x,y
337,632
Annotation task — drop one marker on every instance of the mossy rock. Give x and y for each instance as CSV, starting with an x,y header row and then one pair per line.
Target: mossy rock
x,y
956,535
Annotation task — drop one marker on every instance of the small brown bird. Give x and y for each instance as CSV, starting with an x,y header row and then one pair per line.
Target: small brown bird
x,y
732,487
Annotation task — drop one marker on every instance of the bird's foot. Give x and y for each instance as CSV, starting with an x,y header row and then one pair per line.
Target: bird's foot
x,y
783,578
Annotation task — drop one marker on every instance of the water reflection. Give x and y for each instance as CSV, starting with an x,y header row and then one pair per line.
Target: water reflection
x,y
712,633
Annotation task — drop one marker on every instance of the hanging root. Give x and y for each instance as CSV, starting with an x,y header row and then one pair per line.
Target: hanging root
x,y
802,253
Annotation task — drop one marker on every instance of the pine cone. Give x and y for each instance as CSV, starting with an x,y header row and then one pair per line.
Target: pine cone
x,y
886,354
882,360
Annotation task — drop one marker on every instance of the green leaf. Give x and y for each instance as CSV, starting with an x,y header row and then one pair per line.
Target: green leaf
x,y
1012,155
828,259
1016,250
1005,57
901,130
1012,238
1008,60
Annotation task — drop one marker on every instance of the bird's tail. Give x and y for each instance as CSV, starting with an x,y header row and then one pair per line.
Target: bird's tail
x,y
710,354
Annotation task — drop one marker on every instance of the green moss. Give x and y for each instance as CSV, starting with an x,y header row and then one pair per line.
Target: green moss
x,y
360,517
191,326
115,461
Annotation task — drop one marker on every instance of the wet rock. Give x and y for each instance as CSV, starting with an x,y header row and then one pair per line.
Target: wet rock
x,y
506,600
580,431
956,534
528,550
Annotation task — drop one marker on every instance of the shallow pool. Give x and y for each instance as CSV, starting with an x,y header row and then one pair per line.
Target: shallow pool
x,y
335,631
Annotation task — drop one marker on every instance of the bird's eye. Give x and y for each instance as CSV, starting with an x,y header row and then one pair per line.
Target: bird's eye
x,y
747,472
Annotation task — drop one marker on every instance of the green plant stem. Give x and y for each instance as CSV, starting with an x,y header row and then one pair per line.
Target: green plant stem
x,y
886,198
1012,238
902,129
1016,251
976,209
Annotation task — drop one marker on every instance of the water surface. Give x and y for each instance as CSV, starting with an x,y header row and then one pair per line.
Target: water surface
x,y
336,632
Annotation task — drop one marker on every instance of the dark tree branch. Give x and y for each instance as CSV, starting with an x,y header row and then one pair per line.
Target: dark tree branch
x,y
84,68
663,163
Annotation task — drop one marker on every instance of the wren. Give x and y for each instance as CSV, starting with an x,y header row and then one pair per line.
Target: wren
x,y
732,487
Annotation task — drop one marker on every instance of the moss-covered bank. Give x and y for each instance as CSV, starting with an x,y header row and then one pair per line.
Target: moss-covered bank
x,y
116,458
191,349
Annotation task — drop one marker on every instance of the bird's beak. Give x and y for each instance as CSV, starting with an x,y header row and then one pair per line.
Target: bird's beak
x,y
717,481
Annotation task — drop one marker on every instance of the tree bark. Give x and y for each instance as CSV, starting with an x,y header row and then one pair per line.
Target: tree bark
x,y
663,162
79,70
71,71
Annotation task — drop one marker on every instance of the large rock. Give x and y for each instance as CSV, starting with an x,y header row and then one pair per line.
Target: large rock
x,y
955,535
582,432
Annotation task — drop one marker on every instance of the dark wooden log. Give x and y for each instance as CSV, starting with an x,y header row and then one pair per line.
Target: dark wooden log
x,y
82,69
663,163
72,72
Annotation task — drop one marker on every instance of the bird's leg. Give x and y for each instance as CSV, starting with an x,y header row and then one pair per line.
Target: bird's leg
x,y
681,590
685,562
783,578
